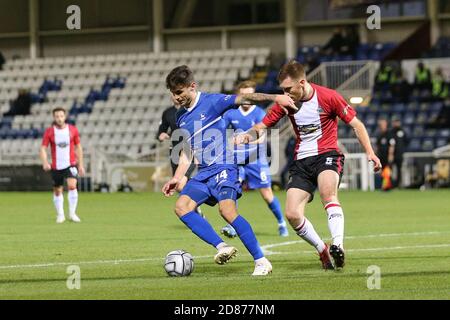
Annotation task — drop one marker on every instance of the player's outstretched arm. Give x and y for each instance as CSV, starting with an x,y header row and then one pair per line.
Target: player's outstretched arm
x,y
363,137
184,163
283,101
253,135
43,155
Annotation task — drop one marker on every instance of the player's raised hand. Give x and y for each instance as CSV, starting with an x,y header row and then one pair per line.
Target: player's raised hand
x,y
376,162
170,187
46,166
285,103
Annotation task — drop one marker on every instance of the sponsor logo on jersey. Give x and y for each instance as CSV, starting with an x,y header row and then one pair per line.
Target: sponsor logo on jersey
x,y
202,116
62,144
309,128
235,121
182,124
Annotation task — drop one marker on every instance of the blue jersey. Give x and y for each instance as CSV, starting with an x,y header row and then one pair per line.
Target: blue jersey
x,y
205,130
241,121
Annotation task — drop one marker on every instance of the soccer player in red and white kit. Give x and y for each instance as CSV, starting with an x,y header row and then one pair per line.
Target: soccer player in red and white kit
x,y
67,162
318,162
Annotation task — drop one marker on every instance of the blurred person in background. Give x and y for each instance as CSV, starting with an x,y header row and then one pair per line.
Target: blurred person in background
x,y
400,143
336,42
21,105
351,41
439,85
383,78
400,88
422,78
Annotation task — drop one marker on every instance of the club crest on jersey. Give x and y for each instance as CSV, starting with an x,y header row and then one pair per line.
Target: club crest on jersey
x,y
62,144
345,110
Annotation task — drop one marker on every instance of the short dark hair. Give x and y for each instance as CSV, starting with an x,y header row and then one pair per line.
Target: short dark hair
x,y
57,109
246,84
180,76
292,69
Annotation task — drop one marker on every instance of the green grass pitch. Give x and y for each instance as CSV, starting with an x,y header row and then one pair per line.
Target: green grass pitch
x,y
123,238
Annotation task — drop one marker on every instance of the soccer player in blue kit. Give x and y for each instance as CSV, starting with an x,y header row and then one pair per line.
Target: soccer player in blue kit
x,y
252,161
217,180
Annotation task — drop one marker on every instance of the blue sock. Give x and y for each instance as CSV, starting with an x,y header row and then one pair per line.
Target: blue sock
x,y
247,236
276,209
201,228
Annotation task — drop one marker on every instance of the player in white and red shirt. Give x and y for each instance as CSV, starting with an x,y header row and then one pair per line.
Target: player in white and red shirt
x,y
67,162
318,162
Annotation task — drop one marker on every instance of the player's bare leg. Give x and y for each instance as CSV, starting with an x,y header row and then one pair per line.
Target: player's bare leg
x,y
72,196
274,205
328,182
295,213
185,210
229,212
58,200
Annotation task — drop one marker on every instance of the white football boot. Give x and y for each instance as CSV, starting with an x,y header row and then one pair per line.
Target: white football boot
x,y
74,218
225,254
262,268
60,218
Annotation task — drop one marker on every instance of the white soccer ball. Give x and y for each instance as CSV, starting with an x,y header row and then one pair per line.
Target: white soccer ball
x,y
179,263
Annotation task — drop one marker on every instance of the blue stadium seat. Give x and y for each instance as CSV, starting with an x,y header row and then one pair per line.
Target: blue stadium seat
x,y
409,118
418,131
371,119
440,142
428,144
398,107
415,145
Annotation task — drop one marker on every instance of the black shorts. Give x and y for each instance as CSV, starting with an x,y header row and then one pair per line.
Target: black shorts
x,y
59,176
303,173
188,172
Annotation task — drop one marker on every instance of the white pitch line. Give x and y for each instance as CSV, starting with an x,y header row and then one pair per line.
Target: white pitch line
x,y
444,245
381,235
265,247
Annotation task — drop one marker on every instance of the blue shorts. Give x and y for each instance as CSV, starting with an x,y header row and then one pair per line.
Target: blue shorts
x,y
213,186
257,175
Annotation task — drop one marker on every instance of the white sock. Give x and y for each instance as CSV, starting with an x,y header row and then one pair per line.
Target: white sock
x,y
306,231
58,201
336,223
220,245
73,201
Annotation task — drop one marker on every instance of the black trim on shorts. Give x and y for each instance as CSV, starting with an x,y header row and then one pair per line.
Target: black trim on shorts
x,y
189,171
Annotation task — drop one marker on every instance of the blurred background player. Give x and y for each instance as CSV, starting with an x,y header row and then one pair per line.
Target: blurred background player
x,y
255,170
401,142
318,160
217,180
67,162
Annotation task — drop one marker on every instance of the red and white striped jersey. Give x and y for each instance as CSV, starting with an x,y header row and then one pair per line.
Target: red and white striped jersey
x,y
62,144
316,121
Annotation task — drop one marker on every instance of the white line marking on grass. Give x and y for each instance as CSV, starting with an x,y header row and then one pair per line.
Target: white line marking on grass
x,y
444,245
265,248
382,235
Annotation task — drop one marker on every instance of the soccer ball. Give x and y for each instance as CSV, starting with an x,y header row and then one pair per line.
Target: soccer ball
x,y
179,263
